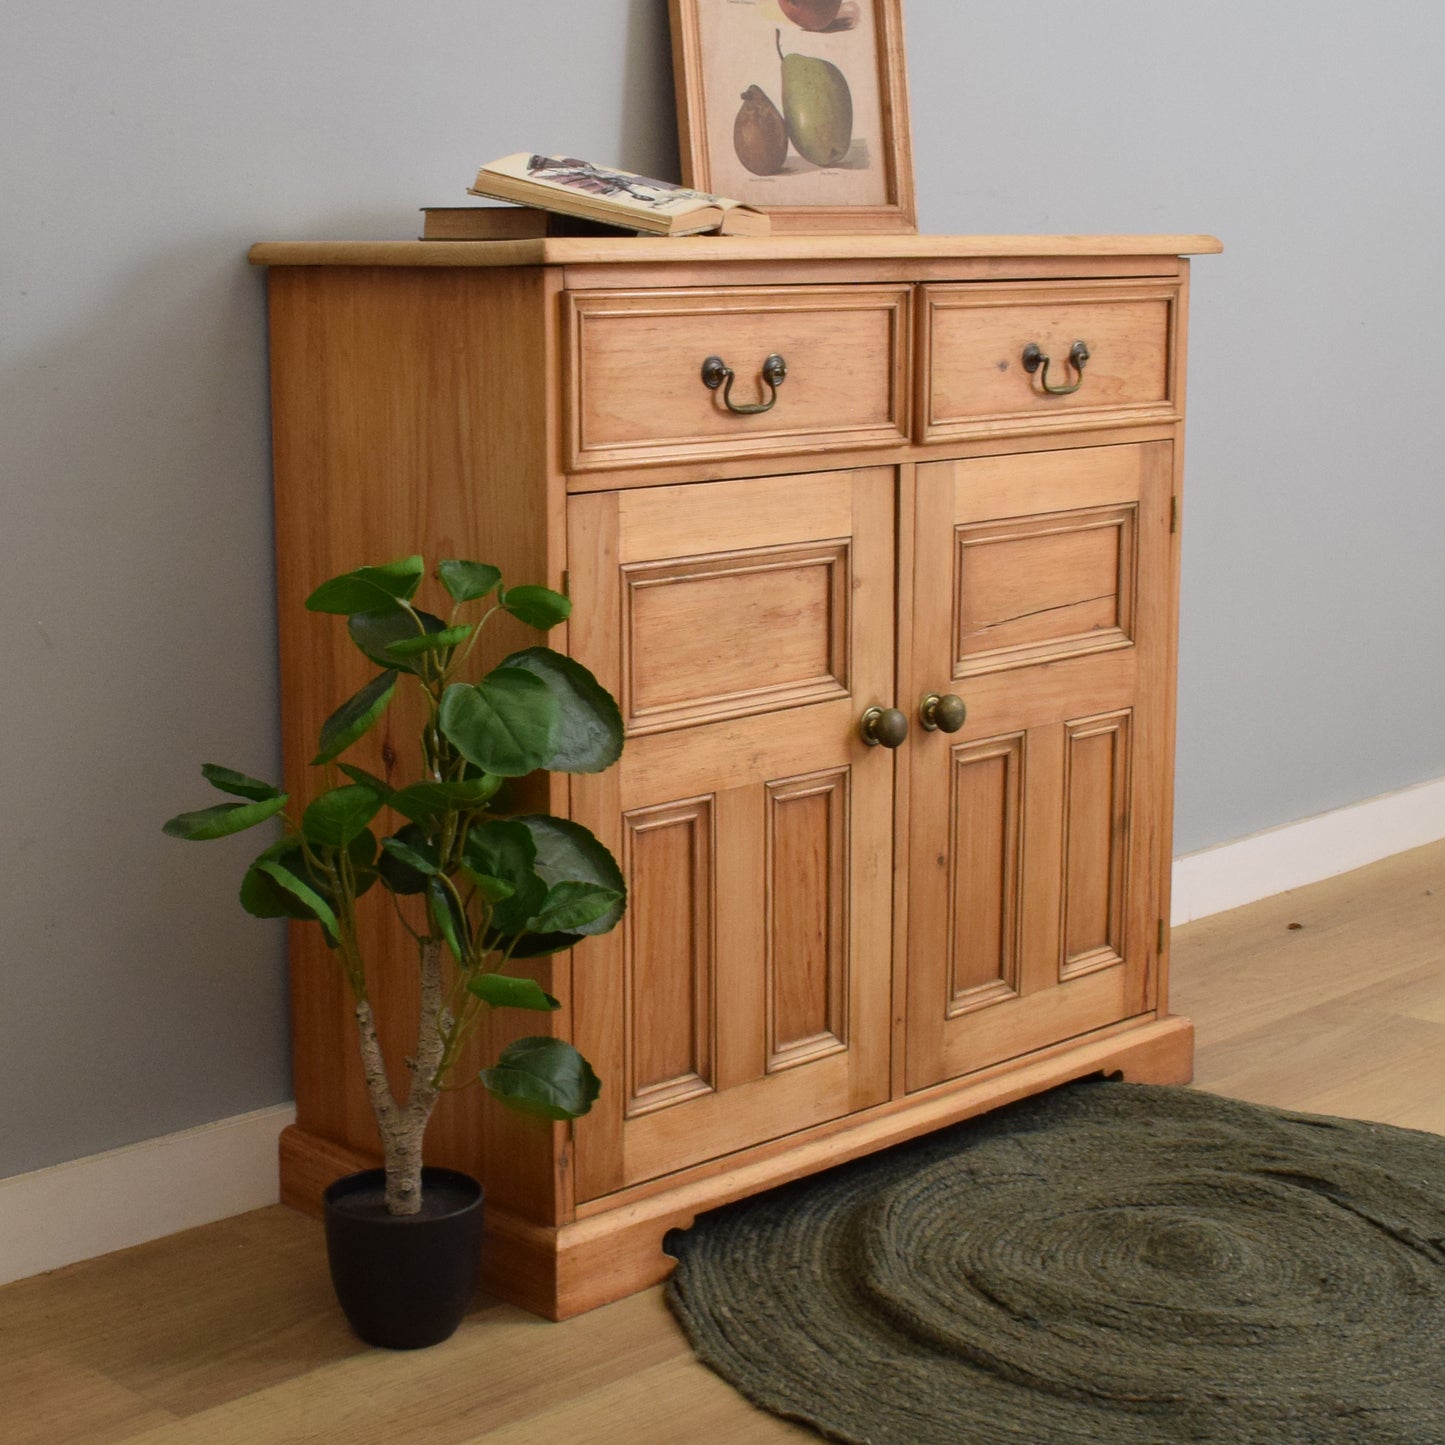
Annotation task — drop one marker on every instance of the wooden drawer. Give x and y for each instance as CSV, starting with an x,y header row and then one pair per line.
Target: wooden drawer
x,y
974,381
634,393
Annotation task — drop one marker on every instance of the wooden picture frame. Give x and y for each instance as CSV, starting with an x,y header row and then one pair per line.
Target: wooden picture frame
x,y
848,106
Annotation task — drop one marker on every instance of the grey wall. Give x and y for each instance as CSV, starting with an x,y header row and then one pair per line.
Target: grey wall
x,y
142,147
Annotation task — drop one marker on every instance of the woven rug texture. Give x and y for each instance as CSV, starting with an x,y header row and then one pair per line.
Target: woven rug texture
x,y
1107,1264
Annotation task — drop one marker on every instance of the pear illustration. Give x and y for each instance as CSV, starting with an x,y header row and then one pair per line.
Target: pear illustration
x,y
811,14
818,107
759,135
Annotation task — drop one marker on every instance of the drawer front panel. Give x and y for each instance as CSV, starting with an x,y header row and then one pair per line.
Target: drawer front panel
x,y
634,388
975,381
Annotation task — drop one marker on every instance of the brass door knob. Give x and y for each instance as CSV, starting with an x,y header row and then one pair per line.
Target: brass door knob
x,y
884,727
944,714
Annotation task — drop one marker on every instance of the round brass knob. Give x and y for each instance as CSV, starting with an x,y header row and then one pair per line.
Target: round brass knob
x,y
944,714
884,727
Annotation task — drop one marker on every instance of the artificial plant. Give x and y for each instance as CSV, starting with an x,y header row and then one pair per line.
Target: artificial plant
x,y
474,889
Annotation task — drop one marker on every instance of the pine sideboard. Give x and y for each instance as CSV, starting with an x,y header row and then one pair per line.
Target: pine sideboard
x,y
891,619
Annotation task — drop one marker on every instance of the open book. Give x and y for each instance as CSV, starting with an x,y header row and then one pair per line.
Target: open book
x,y
618,198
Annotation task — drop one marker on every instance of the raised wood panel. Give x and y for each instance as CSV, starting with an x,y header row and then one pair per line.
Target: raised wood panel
x,y
801,814
1051,539
668,857
1030,484
733,634
750,512
808,890
633,382
1096,842
1030,590
985,848
973,339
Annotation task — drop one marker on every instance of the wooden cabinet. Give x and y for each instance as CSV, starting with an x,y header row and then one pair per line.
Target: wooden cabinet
x,y
966,488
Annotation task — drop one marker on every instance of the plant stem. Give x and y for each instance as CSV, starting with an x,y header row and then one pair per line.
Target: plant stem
x,y
403,1127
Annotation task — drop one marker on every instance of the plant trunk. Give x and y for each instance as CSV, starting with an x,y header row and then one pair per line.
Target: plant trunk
x,y
403,1126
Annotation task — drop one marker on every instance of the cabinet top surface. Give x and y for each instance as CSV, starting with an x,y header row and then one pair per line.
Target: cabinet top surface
x,y
576,250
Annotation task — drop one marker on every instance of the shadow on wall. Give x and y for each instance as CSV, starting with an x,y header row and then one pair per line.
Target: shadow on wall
x,y
649,131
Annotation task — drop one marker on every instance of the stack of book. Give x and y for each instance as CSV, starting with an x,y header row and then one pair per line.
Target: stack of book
x,y
562,196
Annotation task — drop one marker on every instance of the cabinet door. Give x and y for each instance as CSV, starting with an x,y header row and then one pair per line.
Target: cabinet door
x,y
1042,598
743,626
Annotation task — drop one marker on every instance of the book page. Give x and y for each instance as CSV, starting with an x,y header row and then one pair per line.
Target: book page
x,y
604,183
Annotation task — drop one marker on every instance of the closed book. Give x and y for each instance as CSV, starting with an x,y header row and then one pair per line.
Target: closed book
x,y
508,223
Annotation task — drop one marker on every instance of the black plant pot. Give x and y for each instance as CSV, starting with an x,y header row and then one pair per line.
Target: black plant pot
x,y
404,1280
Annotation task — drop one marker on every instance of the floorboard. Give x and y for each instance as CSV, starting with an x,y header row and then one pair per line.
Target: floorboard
x,y
1328,999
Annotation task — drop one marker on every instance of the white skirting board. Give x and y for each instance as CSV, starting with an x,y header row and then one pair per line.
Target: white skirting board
x,y
111,1201
127,1196
1216,879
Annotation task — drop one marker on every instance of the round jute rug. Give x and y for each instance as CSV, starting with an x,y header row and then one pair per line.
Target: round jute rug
x,y
1114,1263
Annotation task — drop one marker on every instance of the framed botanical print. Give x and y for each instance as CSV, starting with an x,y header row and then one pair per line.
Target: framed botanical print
x,y
797,107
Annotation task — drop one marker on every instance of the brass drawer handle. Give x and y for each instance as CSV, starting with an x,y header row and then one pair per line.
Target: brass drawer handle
x,y
884,725
715,372
1033,359
944,714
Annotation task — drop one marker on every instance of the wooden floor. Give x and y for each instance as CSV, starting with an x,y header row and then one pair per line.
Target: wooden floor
x,y
1329,999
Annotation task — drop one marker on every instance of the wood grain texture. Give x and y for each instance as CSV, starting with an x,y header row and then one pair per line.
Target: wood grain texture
x,y
1068,664
972,339
737,756
708,250
635,394
406,416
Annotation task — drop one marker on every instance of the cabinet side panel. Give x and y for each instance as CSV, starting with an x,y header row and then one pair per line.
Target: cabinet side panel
x,y
409,414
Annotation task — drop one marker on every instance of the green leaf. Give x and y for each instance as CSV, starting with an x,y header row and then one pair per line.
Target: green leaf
x,y
430,641
223,819
538,607
568,906
362,852
501,991
415,858
425,800
502,848
449,919
238,785
399,876
379,786
543,1076
368,588
355,717
466,581
588,735
567,852
494,890
337,817
261,896
315,905
375,632
503,724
